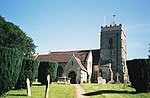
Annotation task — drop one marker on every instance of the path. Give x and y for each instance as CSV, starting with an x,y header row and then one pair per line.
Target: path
x,y
80,91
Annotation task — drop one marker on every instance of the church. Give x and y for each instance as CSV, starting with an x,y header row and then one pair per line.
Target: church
x,y
82,66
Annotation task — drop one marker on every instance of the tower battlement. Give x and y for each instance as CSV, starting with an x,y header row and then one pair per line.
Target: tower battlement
x,y
111,27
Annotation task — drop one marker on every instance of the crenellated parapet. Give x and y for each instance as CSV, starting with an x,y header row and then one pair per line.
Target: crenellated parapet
x,y
111,27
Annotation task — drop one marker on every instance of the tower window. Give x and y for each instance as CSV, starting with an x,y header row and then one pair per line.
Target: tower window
x,y
110,41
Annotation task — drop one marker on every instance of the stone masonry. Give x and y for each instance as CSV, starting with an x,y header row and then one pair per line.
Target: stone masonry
x,y
113,54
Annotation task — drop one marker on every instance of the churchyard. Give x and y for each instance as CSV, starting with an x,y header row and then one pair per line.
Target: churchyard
x,y
38,91
68,91
19,68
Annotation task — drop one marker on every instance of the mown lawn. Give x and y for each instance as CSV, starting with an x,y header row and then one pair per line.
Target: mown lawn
x,y
112,91
38,91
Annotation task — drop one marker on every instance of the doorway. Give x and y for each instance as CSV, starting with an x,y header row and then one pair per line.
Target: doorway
x,y
72,76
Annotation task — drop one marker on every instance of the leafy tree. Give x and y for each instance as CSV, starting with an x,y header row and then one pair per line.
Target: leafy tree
x,y
13,37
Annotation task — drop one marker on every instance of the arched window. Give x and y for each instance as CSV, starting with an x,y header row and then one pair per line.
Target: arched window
x,y
59,71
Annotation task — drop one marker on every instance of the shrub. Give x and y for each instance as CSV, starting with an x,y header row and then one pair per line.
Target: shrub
x,y
10,66
139,74
28,70
46,68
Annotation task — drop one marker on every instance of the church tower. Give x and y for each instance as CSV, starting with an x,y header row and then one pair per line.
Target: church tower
x,y
113,54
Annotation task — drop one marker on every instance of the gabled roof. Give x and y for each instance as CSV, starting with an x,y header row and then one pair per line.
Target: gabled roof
x,y
64,56
80,64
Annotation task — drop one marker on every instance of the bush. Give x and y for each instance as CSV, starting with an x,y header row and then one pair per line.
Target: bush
x,y
10,66
29,70
139,74
46,68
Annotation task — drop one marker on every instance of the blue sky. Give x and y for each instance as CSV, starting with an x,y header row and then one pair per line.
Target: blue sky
x,y
57,25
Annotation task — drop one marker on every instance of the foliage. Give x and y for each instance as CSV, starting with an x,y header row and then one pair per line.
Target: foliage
x,y
10,66
46,68
13,37
29,70
139,74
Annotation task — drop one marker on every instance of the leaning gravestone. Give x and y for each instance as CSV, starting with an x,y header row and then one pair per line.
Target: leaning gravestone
x,y
28,87
47,86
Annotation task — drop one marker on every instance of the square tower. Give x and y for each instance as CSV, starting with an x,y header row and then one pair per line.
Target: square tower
x,y
113,53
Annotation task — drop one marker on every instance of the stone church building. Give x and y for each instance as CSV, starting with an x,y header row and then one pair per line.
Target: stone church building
x,y
79,66
108,62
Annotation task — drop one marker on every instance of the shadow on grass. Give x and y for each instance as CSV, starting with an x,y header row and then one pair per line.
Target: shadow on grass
x,y
108,92
16,94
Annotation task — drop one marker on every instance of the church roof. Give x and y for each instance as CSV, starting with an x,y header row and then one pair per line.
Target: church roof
x,y
64,56
80,64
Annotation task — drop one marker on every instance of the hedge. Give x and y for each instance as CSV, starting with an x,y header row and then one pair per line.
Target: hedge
x,y
46,68
29,70
139,74
10,66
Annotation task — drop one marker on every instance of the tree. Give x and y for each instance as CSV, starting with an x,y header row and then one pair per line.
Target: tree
x,y
139,74
10,65
13,37
29,70
47,68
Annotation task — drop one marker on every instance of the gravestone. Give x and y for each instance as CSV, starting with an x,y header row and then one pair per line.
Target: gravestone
x,y
103,81
117,81
47,86
99,79
28,87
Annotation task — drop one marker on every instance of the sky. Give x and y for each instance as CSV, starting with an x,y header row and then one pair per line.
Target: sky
x,y
60,25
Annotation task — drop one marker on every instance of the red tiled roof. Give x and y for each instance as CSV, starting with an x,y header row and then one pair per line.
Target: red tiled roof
x,y
64,56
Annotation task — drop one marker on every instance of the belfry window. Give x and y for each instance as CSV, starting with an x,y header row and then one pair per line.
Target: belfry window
x,y
110,41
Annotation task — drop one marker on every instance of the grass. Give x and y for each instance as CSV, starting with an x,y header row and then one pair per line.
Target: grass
x,y
112,91
38,91
68,91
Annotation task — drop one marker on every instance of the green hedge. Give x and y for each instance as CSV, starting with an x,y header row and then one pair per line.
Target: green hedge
x,y
139,74
46,68
10,66
29,70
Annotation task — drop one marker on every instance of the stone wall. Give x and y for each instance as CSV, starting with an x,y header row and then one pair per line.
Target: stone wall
x,y
113,51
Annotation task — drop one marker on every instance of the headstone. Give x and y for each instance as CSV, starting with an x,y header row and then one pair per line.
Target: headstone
x,y
117,81
68,80
103,81
99,79
47,86
28,87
